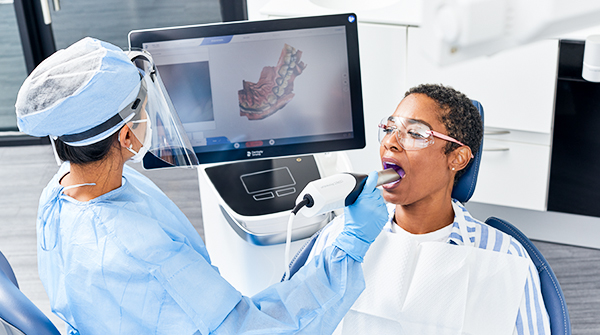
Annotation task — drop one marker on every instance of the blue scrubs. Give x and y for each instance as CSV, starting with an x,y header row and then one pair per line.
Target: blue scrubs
x,y
130,262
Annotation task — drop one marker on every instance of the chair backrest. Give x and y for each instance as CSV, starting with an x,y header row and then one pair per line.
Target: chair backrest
x,y
465,186
560,323
18,315
7,269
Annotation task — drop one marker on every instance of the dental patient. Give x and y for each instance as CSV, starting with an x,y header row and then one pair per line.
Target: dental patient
x,y
435,269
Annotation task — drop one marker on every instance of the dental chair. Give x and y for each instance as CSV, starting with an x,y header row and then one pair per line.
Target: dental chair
x,y
554,299
18,315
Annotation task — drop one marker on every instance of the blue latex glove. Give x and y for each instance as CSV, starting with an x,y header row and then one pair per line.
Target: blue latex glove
x,y
364,220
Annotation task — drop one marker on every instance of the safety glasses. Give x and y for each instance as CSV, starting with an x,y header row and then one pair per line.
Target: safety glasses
x,y
410,134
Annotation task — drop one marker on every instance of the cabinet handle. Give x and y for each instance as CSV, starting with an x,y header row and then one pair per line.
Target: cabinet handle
x,y
46,12
496,149
496,132
56,4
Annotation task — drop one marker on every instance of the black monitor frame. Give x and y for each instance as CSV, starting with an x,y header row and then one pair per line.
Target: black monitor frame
x,y
138,37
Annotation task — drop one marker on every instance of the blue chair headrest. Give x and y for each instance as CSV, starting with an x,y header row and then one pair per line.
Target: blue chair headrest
x,y
465,186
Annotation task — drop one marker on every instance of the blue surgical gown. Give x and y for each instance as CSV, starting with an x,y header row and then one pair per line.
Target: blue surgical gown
x,y
130,262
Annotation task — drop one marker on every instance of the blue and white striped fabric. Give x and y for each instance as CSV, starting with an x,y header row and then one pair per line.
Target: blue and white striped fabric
x,y
532,318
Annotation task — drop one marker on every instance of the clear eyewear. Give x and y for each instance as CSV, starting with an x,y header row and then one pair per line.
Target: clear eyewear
x,y
138,121
140,132
411,134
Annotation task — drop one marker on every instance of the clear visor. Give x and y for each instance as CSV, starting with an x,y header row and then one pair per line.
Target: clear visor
x,y
169,142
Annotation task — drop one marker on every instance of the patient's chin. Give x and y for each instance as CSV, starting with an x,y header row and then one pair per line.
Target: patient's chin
x,y
390,197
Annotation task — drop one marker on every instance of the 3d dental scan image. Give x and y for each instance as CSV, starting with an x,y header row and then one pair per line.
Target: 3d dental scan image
x,y
274,88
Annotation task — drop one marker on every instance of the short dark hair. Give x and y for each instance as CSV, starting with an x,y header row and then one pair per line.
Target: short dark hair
x,y
86,154
458,114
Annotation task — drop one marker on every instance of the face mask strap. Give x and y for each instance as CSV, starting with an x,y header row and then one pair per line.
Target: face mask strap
x,y
130,148
53,143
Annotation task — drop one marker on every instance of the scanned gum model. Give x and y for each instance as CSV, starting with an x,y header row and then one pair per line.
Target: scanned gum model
x,y
274,88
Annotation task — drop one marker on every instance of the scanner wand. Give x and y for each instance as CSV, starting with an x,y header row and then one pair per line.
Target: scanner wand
x,y
340,190
331,193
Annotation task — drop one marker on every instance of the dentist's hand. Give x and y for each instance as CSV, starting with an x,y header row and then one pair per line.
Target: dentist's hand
x,y
364,220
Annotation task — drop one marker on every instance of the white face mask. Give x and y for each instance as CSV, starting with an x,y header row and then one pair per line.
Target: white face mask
x,y
138,156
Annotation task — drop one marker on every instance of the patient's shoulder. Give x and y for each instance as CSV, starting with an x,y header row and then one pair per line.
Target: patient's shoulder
x,y
487,237
490,238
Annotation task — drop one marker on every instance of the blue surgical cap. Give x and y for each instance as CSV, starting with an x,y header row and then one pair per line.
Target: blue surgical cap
x,y
76,89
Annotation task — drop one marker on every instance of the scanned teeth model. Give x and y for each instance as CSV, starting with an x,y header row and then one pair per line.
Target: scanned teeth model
x,y
274,87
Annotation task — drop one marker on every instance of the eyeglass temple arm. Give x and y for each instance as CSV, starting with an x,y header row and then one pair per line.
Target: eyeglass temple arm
x,y
449,139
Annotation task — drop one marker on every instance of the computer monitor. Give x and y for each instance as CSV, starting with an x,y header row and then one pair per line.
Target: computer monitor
x,y
256,89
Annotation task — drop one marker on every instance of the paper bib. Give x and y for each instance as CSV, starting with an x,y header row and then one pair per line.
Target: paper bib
x,y
436,288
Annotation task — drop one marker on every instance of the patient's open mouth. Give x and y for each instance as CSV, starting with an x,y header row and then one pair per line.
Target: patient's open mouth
x,y
398,169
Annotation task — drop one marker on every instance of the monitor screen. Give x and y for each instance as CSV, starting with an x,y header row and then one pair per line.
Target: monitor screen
x,y
256,89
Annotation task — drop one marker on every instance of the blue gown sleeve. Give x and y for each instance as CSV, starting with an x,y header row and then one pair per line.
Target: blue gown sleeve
x,y
313,301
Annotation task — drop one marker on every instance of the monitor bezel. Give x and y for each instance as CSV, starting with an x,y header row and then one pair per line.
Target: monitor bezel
x,y
349,21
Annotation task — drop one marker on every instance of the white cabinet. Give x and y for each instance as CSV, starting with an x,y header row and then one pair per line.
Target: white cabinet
x,y
514,169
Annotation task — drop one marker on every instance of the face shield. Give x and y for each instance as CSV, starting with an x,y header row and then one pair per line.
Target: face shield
x,y
87,92
168,141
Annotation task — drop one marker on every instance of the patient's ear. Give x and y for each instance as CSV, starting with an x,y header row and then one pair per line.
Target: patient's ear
x,y
459,158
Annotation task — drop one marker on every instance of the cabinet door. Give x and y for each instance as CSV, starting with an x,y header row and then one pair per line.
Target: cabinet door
x,y
516,87
513,174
